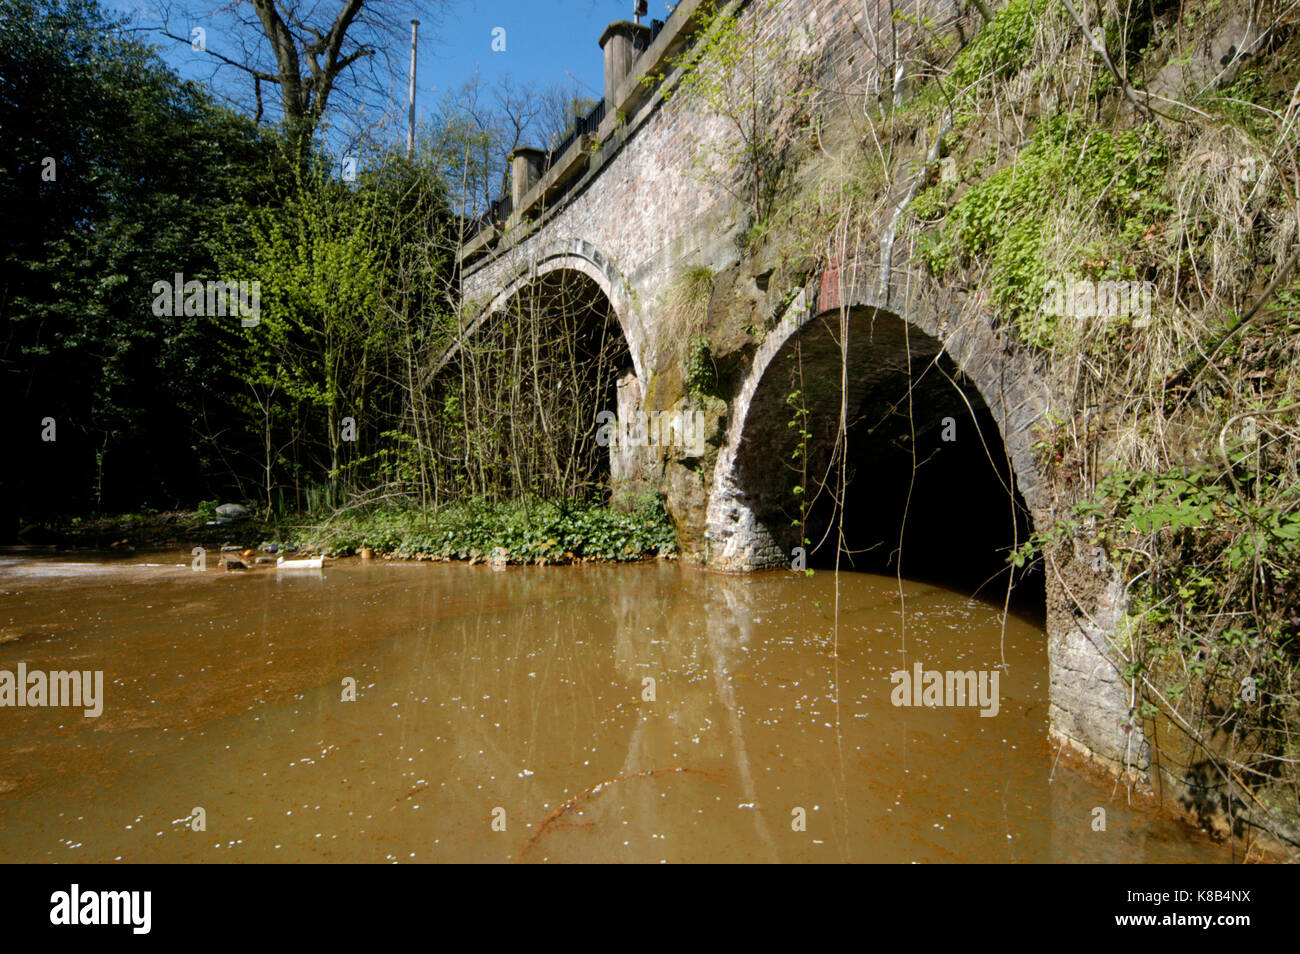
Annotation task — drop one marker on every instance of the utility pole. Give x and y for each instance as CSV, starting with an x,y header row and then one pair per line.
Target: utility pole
x,y
410,115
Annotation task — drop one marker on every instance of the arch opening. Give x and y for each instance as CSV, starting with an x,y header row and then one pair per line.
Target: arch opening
x,y
927,488
521,394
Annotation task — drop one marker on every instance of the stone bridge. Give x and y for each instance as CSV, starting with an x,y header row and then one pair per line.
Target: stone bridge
x,y
867,341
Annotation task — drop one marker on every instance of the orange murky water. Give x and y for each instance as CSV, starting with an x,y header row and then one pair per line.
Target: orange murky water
x,y
519,700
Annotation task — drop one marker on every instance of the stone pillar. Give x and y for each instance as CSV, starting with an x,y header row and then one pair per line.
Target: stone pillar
x,y
622,42
626,463
525,170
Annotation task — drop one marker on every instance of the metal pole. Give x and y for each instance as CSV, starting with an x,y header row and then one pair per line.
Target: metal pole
x,y
410,116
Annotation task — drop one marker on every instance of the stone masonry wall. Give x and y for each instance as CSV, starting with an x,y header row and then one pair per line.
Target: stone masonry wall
x,y
640,214
646,210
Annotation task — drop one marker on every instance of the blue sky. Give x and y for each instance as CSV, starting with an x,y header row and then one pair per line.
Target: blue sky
x,y
543,41
547,41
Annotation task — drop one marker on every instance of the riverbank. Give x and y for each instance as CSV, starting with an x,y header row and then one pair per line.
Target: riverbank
x,y
525,531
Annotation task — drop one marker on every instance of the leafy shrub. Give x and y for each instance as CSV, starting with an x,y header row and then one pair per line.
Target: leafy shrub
x,y
1117,180
701,378
1001,47
529,532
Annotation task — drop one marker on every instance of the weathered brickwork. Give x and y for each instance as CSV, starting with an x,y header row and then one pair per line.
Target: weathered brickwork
x,y
640,214
645,208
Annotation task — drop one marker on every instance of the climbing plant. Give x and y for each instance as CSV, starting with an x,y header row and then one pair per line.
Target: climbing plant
x,y
756,83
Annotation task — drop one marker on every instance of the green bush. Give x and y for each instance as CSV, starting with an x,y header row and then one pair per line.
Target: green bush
x,y
1000,49
529,532
1117,180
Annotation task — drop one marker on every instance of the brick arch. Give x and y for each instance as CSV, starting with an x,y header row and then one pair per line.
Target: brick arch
x,y
575,255
741,532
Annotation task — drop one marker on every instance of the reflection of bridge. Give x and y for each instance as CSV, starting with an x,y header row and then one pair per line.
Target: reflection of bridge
x,y
620,207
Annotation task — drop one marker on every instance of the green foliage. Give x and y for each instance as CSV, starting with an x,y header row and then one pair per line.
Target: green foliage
x,y
530,532
1213,570
343,271
316,258
798,423
142,164
1001,48
936,43
1114,179
701,376
1253,521
932,202
1240,104
1261,523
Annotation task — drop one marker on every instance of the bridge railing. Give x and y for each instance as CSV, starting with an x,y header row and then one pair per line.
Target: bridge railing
x,y
581,127
500,210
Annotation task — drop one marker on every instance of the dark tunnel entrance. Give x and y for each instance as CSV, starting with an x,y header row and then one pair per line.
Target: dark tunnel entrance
x,y
927,492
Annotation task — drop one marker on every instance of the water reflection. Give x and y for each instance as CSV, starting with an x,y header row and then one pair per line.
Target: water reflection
x,y
636,713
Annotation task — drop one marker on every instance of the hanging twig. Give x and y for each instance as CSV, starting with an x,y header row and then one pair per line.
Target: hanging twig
x,y
1278,279
1101,51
